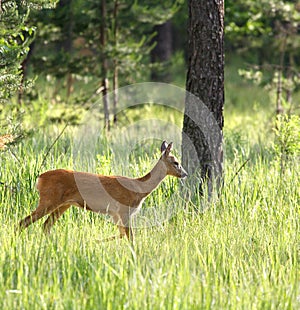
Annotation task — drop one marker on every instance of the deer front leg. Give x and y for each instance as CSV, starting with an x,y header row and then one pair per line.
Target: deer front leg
x,y
125,228
126,232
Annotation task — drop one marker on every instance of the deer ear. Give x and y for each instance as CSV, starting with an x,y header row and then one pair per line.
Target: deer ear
x,y
169,149
164,146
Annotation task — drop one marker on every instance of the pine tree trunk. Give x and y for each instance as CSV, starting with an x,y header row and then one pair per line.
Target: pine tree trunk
x,y
66,44
115,63
203,120
104,67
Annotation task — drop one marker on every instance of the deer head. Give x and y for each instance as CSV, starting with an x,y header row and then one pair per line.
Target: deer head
x,y
172,164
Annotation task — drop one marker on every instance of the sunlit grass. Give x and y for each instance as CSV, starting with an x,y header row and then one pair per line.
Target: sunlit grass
x,y
241,253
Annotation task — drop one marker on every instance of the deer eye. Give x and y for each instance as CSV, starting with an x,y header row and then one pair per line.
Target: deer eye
x,y
176,164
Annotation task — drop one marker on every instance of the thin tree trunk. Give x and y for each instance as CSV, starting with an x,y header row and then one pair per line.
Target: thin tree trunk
x,y
203,120
104,66
279,107
115,91
116,72
24,70
66,44
289,90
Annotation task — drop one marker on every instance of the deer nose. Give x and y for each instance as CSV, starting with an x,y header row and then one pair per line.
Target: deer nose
x,y
184,174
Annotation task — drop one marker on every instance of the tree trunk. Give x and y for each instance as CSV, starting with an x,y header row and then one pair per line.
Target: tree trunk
x,y
24,70
115,91
115,63
162,51
104,67
203,119
279,107
66,44
289,90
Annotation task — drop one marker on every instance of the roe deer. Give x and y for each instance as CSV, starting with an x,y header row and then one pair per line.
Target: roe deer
x,y
117,196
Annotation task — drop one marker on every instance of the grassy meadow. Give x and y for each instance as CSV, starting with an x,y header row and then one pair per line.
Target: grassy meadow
x,y
242,251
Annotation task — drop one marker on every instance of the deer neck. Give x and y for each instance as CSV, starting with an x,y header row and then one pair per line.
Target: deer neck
x,y
152,179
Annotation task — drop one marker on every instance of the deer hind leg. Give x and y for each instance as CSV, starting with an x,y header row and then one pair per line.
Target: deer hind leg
x,y
54,216
39,212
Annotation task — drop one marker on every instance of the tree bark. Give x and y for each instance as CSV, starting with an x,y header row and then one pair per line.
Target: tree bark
x,y
104,67
66,43
289,91
24,70
115,63
203,119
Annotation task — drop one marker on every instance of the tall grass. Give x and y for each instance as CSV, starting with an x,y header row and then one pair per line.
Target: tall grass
x,y
241,253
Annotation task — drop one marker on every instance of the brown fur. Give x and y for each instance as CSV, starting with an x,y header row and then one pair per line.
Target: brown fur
x,y
115,195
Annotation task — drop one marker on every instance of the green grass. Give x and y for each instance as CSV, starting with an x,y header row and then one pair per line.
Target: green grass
x,y
241,253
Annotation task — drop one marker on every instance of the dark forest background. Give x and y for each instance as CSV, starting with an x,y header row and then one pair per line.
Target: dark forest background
x,y
69,51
